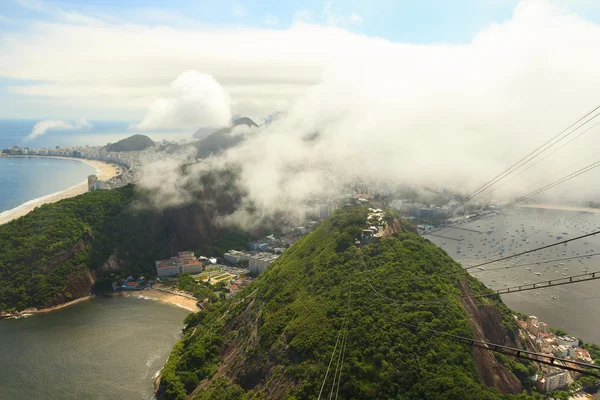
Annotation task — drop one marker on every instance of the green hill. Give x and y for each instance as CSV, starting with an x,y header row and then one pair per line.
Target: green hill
x,y
132,143
274,340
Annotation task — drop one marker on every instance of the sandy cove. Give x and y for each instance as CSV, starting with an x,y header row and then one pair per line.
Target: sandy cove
x,y
104,171
182,301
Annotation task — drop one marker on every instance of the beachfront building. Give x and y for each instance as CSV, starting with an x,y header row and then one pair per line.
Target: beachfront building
x,y
257,263
91,181
185,261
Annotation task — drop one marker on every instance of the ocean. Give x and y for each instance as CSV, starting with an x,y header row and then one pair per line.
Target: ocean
x,y
13,132
26,179
104,348
23,179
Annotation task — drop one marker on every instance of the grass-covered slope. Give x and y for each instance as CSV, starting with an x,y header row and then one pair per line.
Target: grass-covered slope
x,y
275,339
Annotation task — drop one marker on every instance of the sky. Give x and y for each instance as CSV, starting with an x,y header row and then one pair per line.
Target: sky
x,y
113,59
440,93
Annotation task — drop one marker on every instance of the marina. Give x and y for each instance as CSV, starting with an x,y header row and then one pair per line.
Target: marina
x,y
568,307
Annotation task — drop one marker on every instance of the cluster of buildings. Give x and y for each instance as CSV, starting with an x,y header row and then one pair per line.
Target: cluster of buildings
x,y
566,347
258,261
185,261
126,159
374,228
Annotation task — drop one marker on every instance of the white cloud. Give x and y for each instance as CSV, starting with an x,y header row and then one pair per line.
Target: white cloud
x,y
271,19
445,115
42,127
454,115
238,9
195,100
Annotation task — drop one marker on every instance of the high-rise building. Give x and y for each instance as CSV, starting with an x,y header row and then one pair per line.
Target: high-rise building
x,y
91,180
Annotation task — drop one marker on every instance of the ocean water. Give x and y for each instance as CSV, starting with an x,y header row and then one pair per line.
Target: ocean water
x,y
572,308
105,348
26,178
13,132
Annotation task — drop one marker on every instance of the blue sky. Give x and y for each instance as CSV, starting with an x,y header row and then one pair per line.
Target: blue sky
x,y
423,21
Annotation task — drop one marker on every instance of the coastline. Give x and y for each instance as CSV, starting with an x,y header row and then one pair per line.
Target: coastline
x,y
58,307
162,296
560,208
105,171
182,301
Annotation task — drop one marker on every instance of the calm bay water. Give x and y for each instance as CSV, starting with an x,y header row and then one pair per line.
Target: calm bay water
x,y
574,307
105,348
26,178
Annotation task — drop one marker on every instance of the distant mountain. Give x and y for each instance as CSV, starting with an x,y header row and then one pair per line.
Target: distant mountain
x,y
202,132
132,143
220,140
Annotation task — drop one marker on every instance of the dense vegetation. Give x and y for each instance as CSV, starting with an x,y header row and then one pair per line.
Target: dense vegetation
x,y
57,245
36,250
132,143
275,338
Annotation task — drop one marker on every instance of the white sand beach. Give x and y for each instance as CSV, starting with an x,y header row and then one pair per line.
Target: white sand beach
x,y
104,171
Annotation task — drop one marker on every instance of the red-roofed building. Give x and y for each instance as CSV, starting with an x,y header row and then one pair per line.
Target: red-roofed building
x,y
583,355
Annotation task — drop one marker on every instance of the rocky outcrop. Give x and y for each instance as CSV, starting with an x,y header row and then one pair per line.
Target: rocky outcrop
x,y
79,284
111,264
487,326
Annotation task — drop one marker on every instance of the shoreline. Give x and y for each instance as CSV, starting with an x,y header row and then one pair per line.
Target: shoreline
x,y
181,301
560,207
187,303
105,171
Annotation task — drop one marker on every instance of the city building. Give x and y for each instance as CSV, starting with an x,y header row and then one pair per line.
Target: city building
x,y
235,256
91,180
258,245
257,263
561,351
185,261
567,341
532,324
98,185
553,381
583,355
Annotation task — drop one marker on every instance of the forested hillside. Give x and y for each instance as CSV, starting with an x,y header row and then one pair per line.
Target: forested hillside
x,y
275,339
62,251
40,251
